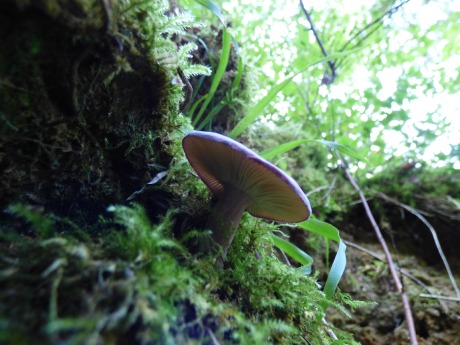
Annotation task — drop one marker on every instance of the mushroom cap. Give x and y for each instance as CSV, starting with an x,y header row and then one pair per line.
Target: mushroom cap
x,y
220,161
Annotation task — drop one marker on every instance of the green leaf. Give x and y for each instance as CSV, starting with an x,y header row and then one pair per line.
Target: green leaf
x,y
237,80
338,266
283,148
321,228
210,5
256,111
195,105
210,116
342,149
293,251
336,272
224,56
221,105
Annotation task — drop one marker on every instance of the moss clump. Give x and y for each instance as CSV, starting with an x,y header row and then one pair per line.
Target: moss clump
x,y
88,113
135,283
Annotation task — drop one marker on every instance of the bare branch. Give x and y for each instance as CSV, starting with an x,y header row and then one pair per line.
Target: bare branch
x,y
376,21
391,265
447,298
320,43
188,89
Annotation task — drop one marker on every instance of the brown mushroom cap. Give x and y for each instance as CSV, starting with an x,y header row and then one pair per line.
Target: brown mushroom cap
x,y
220,161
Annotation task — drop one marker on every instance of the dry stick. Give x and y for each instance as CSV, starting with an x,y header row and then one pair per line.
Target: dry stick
x,y
320,43
212,336
188,89
433,233
391,265
285,258
447,298
329,330
376,21
403,271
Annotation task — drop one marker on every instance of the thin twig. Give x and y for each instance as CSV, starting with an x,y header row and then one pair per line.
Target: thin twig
x,y
402,270
329,331
433,233
455,202
285,258
320,43
378,20
331,187
212,336
188,89
317,189
447,298
391,265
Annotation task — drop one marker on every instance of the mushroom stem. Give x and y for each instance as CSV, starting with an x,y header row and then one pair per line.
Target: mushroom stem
x,y
226,215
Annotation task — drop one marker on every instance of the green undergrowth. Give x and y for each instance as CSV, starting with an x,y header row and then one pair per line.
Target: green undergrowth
x,y
408,179
132,282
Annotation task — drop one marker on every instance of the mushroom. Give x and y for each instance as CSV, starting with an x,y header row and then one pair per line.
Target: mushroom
x,y
242,180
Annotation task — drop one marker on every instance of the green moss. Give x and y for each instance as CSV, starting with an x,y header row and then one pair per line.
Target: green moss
x,y
406,179
135,282
88,110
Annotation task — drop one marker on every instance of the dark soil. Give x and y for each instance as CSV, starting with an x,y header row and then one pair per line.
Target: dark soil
x,y
367,278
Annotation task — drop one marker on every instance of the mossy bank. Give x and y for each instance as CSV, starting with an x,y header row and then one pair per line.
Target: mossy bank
x,y
89,114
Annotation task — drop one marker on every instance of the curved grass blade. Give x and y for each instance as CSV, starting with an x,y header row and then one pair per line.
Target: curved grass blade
x,y
255,111
293,251
321,228
336,272
210,5
195,105
285,147
340,260
239,74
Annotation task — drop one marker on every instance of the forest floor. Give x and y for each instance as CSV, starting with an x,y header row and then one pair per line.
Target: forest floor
x,y
368,279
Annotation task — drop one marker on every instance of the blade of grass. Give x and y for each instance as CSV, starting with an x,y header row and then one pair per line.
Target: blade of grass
x,y
256,110
210,5
321,228
195,105
293,251
285,147
239,74
338,265
224,56
210,116
336,272
221,105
